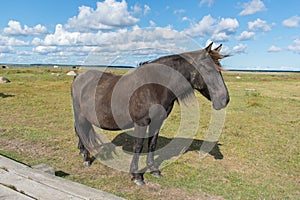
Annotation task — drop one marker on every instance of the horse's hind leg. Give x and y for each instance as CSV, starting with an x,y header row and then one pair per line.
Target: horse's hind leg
x,y
83,128
137,175
152,141
87,159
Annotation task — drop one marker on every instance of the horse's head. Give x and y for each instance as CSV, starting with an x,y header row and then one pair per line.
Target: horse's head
x,y
206,76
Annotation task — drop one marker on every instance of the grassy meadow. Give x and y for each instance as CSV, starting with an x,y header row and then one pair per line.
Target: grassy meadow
x,y
259,144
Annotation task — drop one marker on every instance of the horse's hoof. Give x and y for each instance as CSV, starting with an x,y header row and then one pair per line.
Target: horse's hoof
x,y
156,174
139,182
87,163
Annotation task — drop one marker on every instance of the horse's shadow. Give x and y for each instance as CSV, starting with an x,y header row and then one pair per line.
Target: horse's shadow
x,y
178,146
2,95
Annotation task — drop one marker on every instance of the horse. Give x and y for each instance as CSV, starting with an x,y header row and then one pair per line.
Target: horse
x,y
143,99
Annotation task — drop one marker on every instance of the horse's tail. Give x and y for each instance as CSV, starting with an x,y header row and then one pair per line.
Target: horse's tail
x,y
83,127
87,136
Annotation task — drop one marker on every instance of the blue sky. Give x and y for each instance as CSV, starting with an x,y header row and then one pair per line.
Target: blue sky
x,y
259,34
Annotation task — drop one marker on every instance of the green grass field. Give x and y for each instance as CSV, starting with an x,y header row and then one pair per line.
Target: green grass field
x,y
260,141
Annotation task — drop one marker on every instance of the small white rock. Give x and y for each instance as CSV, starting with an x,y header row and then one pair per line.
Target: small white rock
x,y
71,73
4,80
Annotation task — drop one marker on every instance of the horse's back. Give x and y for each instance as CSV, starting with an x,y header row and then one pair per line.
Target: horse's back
x,y
89,80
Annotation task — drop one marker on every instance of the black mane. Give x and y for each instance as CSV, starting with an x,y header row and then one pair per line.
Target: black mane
x,y
144,62
162,59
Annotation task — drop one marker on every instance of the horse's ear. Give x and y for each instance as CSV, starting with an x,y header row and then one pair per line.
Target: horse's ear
x,y
208,48
218,49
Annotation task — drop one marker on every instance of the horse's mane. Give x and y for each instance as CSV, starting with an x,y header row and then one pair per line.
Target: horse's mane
x,y
215,56
144,62
173,57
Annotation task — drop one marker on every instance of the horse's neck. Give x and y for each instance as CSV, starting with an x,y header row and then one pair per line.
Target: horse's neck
x,y
179,74
176,62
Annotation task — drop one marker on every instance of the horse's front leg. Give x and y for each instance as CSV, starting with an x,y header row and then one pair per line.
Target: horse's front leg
x,y
152,141
138,176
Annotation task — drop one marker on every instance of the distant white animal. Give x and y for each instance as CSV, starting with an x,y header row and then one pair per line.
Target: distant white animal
x,y
4,80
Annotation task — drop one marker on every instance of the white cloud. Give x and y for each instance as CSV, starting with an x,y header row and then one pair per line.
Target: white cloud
x,y
208,2
204,27
292,22
109,14
147,9
180,11
245,35
239,49
11,41
45,49
6,49
140,43
63,37
295,47
136,9
220,37
274,48
219,29
252,7
258,25
152,23
228,25
15,29
60,37
185,19
225,50
157,33
224,29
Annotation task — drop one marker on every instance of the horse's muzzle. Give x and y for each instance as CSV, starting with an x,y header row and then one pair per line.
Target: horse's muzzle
x,y
221,102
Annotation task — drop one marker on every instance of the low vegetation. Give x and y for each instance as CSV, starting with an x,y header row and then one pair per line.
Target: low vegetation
x,y
259,144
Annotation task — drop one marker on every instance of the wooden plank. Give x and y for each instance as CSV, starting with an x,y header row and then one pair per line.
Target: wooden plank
x,y
33,188
41,185
7,193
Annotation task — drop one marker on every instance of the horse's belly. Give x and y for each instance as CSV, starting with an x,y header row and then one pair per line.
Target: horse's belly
x,y
110,122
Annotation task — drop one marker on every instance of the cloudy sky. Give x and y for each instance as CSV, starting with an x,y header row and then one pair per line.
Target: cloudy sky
x,y
259,34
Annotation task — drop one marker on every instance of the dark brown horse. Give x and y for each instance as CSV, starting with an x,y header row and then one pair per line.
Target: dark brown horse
x,y
144,98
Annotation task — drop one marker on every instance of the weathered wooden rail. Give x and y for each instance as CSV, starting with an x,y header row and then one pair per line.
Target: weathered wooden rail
x,y
18,181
